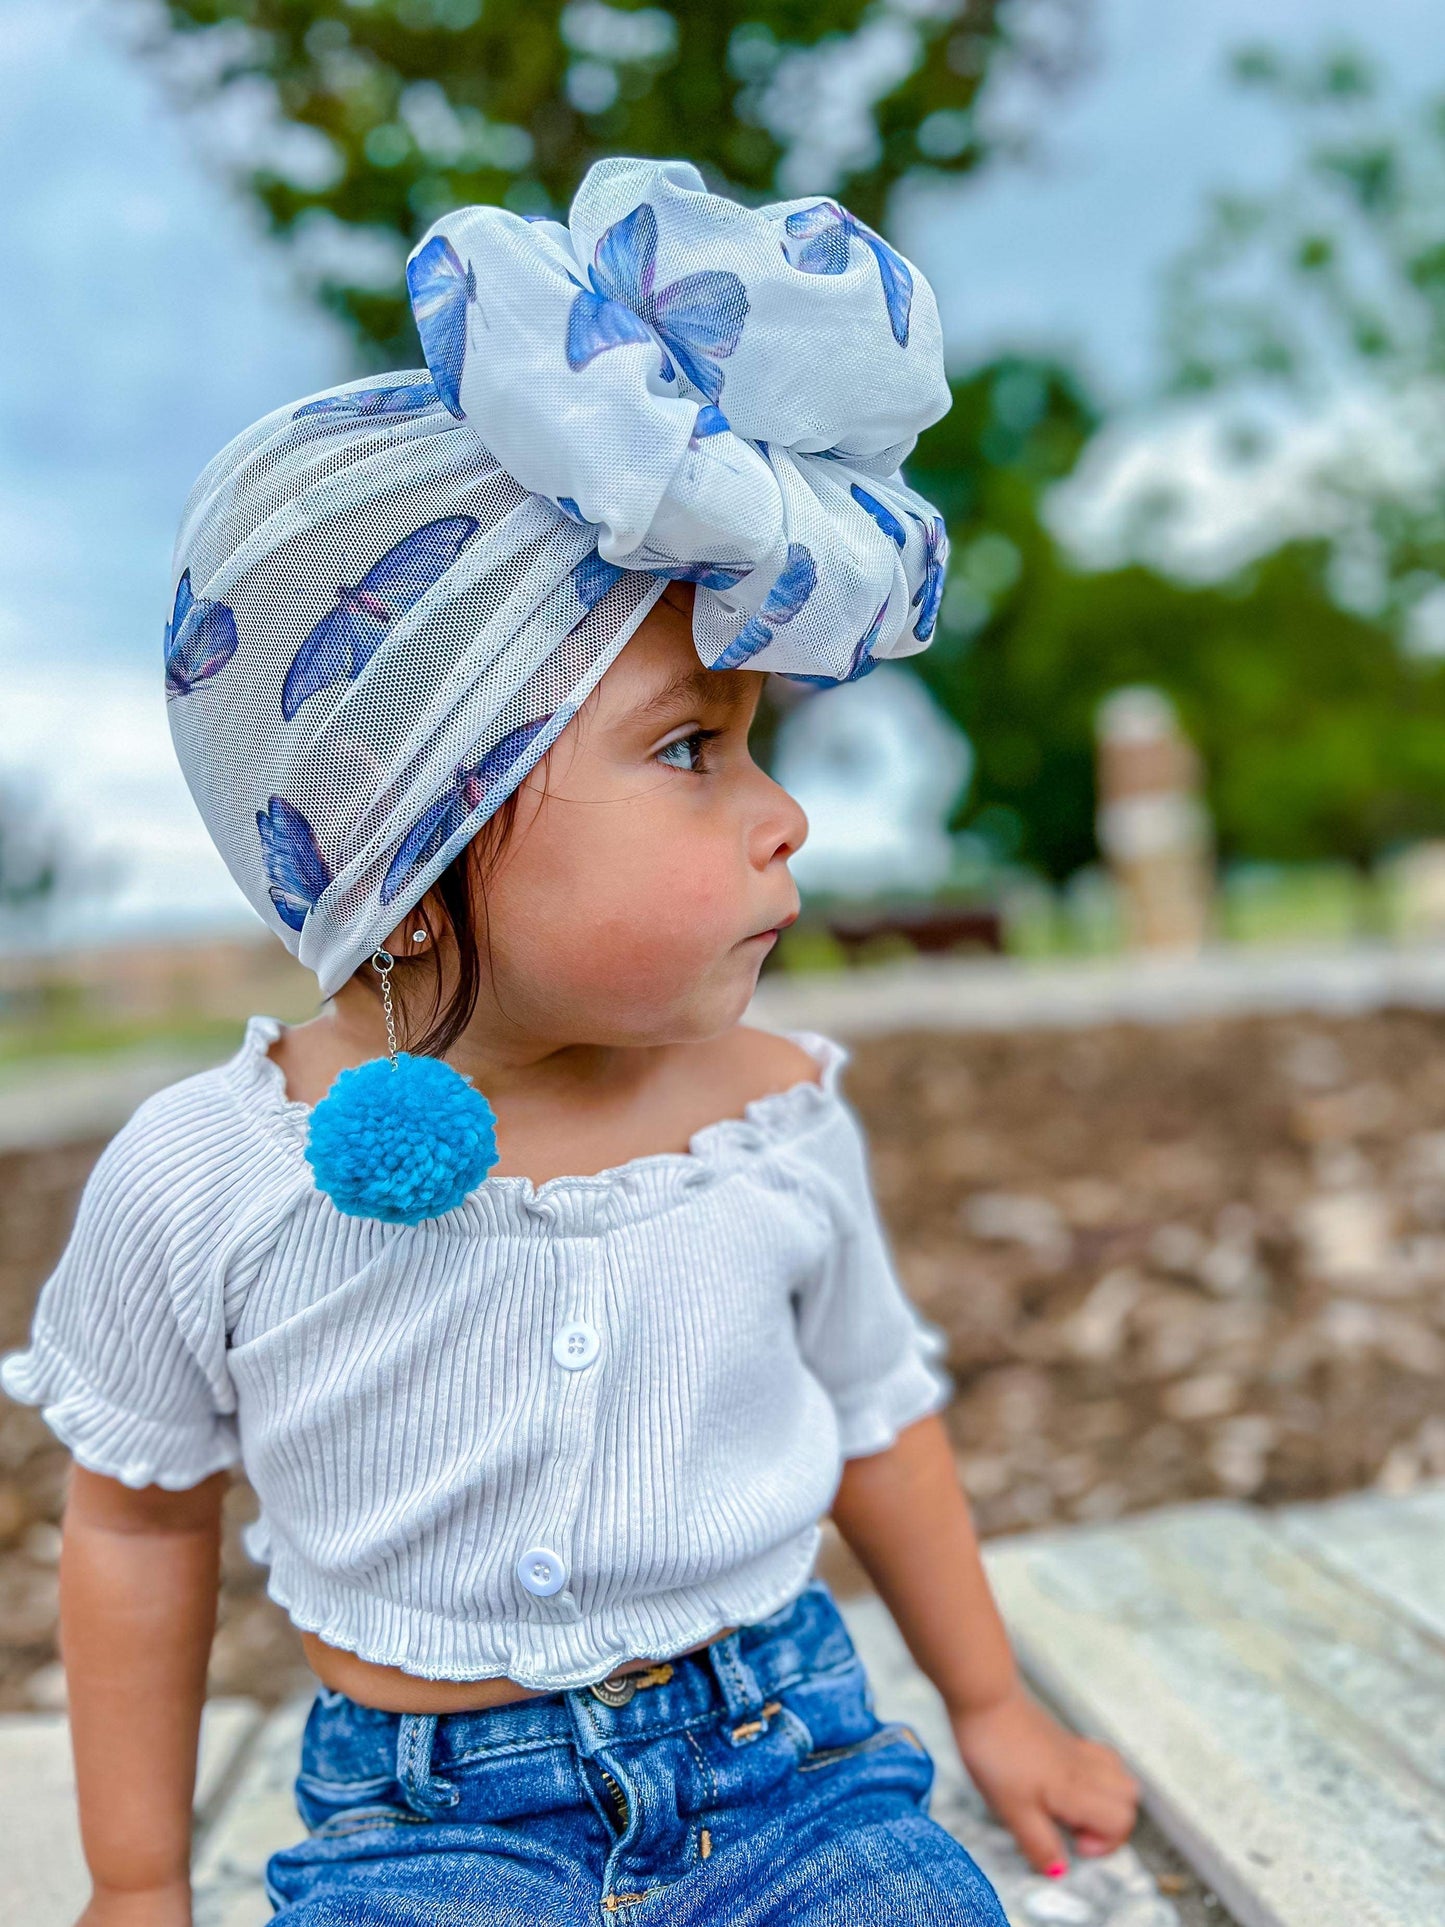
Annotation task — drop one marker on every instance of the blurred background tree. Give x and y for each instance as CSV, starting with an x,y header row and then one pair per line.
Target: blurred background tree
x,y
35,859
1328,297
1313,679
1322,738
386,113
1301,678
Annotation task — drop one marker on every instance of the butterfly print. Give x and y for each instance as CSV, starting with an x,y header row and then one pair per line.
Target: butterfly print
x,y
200,639
883,516
929,593
367,404
295,867
698,319
595,324
343,642
862,661
708,575
796,582
441,291
469,788
592,578
819,241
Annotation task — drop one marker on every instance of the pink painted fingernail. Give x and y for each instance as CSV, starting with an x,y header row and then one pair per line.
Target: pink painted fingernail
x,y
1058,1870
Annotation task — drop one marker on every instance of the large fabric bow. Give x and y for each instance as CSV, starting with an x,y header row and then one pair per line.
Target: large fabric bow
x,y
723,393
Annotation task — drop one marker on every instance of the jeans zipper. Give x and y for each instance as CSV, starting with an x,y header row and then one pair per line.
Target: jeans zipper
x,y
619,1797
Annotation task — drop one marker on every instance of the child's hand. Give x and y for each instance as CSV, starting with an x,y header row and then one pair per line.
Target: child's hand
x,y
1034,1773
168,1906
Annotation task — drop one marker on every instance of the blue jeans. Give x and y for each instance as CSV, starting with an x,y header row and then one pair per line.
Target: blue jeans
x,y
753,1788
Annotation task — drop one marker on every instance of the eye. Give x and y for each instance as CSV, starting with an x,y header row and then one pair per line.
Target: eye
x,y
688,752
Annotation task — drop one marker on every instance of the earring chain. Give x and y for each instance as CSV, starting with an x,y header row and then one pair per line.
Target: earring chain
x,y
382,962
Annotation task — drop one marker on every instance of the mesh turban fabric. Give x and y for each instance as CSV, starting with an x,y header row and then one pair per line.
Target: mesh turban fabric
x,y
393,596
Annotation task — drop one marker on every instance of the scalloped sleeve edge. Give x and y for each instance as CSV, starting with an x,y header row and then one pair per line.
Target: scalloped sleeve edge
x,y
871,1416
105,1438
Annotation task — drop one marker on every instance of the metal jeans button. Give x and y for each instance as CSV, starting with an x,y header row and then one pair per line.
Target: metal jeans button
x,y
616,1691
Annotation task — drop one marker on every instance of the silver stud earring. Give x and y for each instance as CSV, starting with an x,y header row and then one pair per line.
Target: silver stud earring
x,y
418,936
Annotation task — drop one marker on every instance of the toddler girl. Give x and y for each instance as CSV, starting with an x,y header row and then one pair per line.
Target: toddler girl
x,y
542,1420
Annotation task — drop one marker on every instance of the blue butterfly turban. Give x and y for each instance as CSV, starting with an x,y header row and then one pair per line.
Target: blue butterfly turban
x,y
392,597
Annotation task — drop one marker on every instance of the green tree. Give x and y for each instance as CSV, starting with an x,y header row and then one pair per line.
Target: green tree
x,y
393,111
1319,736
34,858
1331,287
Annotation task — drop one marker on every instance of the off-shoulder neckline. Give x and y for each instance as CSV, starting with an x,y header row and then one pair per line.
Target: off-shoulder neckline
x,y
258,1083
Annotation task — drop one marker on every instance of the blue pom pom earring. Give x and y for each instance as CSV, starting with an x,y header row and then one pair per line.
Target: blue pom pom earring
x,y
400,1138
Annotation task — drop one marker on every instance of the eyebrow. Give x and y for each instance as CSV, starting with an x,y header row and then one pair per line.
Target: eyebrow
x,y
708,687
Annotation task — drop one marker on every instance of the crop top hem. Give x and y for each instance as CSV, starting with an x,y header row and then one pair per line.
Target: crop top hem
x,y
436,1647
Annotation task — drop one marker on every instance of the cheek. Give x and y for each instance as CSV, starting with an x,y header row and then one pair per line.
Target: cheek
x,y
632,900
662,917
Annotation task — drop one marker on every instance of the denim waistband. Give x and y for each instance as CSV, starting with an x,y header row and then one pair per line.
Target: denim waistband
x,y
728,1681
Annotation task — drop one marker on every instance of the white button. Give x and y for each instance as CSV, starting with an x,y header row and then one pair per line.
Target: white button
x,y
541,1571
576,1345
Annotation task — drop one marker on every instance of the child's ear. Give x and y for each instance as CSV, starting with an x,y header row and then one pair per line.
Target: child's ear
x,y
414,936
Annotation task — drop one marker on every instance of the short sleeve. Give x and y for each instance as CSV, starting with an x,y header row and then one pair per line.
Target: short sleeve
x,y
127,1343
859,1333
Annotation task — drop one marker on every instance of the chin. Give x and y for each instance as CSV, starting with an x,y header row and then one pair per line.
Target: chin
x,y
705,1013
728,1005
681,1006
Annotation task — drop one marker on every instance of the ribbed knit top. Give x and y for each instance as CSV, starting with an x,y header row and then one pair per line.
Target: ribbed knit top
x,y
559,1427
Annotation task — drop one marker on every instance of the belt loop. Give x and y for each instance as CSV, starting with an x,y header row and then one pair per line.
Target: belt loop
x,y
736,1679
422,1788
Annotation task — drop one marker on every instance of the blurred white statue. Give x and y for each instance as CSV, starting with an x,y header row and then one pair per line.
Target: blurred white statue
x,y
878,768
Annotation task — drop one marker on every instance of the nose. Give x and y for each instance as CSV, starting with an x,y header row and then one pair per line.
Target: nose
x,y
780,828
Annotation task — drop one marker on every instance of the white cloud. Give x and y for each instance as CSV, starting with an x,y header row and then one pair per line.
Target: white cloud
x,y
1163,487
88,747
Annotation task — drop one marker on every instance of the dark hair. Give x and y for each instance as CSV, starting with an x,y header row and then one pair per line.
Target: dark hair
x,y
449,913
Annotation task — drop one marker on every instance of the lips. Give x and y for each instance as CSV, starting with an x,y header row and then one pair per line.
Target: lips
x,y
774,929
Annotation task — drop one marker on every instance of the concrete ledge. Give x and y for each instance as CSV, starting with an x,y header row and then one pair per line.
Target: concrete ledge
x,y
963,994
61,1101
1277,1681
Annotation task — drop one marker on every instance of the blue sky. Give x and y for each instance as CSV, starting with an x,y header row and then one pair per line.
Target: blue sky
x,y
147,319
1062,253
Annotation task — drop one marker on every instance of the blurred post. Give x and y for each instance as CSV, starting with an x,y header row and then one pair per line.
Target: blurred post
x,y
1152,825
1418,876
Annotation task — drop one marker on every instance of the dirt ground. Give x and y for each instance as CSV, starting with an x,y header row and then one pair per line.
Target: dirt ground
x,y
1172,1263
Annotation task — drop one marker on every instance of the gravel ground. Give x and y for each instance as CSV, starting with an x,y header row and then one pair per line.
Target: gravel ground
x,y
1198,1262
1174,1263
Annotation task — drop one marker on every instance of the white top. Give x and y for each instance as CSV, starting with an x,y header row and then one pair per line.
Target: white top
x,y
553,1429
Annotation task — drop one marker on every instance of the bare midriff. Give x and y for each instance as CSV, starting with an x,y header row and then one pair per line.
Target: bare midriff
x,y
394,1691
